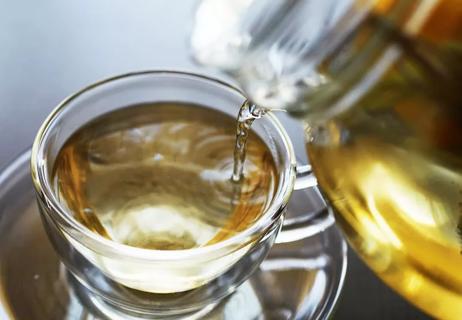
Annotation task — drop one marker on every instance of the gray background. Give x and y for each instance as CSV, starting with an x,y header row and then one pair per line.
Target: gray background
x,y
51,48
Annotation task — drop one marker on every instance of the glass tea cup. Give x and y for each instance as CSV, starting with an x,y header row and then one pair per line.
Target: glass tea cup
x,y
146,282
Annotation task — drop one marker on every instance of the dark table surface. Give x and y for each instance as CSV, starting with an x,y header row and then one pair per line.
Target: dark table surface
x,y
51,48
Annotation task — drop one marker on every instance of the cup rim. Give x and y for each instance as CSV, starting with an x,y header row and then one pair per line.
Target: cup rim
x,y
82,234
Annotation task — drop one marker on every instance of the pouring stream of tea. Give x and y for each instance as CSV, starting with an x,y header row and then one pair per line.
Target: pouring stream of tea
x,y
248,113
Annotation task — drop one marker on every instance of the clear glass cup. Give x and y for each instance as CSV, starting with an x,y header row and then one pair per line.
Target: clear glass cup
x,y
196,277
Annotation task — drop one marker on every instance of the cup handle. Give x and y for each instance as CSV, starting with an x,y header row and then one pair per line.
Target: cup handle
x,y
312,222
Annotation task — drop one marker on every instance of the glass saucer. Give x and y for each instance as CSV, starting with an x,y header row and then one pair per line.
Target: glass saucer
x,y
298,280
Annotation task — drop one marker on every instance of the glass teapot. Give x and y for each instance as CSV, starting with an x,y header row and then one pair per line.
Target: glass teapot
x,y
376,84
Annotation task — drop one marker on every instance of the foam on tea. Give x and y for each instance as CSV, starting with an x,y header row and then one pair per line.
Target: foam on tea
x,y
158,176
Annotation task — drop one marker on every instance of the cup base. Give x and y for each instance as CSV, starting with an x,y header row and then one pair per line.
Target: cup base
x,y
106,310
113,300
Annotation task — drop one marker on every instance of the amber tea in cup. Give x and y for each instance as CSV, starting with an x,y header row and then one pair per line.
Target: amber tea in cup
x,y
158,176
